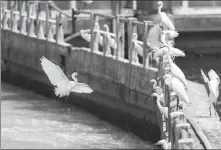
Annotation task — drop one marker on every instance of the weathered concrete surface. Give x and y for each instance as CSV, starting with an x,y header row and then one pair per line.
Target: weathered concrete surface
x,y
199,111
115,97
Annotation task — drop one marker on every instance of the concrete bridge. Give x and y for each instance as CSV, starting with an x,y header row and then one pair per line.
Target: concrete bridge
x,y
121,83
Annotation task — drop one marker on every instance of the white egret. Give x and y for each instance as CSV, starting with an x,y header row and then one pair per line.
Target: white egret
x,y
87,36
165,20
177,86
176,71
163,110
168,35
157,89
138,47
212,86
112,42
63,86
165,144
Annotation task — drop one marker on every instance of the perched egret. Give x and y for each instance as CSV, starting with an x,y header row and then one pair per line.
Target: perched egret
x,y
138,47
63,86
176,71
177,86
87,36
212,87
165,20
163,110
174,52
165,144
112,42
171,35
157,89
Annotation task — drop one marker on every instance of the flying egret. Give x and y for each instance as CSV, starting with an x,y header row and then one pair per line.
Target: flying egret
x,y
176,71
165,144
177,86
163,110
212,87
63,86
165,20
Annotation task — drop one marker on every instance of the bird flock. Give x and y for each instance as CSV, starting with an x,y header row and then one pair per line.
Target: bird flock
x,y
174,77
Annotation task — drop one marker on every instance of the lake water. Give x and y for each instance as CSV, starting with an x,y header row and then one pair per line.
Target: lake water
x,y
30,121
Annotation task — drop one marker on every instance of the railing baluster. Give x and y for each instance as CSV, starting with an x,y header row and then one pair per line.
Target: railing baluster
x,y
58,20
40,33
120,38
47,19
145,49
15,22
132,28
28,14
23,25
94,43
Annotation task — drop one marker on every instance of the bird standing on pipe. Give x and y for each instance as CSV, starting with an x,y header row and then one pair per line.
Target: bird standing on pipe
x,y
165,20
63,86
212,86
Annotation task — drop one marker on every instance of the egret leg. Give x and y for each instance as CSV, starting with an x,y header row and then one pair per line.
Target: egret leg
x,y
215,109
210,110
177,106
69,109
62,107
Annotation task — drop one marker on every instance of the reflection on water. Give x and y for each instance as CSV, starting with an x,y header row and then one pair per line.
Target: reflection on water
x,y
32,121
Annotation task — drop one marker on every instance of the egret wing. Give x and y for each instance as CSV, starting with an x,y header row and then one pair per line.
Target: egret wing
x,y
206,81
86,36
81,88
179,88
177,52
179,74
213,75
54,72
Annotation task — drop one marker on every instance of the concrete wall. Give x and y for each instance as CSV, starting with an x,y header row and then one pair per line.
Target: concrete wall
x,y
119,86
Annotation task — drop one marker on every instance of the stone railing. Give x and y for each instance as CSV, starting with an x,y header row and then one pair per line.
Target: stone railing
x,y
20,20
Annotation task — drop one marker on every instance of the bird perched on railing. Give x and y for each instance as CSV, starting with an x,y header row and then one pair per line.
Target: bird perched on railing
x,y
165,20
63,86
177,86
167,35
86,2
176,71
87,36
138,47
156,88
174,52
165,144
212,87
163,110
112,42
